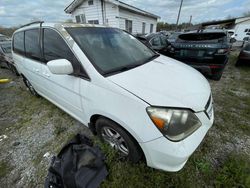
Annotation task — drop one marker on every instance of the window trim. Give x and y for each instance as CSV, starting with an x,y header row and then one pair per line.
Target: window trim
x,y
42,48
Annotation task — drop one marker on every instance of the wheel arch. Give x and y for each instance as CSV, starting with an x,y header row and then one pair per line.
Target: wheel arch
x,y
92,127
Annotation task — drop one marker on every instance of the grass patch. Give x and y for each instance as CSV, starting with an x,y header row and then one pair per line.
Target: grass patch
x,y
4,169
235,172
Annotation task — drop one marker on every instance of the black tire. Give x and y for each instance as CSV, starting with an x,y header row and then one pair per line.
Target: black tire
x,y
30,87
134,151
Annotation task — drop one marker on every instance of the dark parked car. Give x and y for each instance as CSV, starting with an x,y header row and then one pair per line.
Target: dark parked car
x,y
156,41
244,57
4,38
6,59
173,37
206,51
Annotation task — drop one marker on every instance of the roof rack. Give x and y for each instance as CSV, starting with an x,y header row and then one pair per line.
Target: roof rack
x,y
36,22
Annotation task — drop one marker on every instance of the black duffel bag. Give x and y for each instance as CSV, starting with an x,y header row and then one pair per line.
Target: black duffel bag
x,y
78,165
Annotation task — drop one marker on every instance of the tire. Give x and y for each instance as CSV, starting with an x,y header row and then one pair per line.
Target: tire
x,y
119,139
30,87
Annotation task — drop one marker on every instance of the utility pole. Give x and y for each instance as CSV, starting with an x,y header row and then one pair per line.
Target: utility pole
x,y
179,15
190,21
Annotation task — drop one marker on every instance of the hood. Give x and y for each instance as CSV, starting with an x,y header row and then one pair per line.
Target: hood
x,y
166,82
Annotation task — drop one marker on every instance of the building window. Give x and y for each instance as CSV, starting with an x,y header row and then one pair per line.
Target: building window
x,y
90,2
128,26
93,21
143,27
81,18
151,28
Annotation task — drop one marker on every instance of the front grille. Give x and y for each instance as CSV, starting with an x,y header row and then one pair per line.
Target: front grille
x,y
209,107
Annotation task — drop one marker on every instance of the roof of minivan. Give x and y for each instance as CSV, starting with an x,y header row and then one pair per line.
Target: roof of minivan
x,y
58,25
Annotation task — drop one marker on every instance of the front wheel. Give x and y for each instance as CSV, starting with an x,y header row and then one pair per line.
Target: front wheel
x,y
119,139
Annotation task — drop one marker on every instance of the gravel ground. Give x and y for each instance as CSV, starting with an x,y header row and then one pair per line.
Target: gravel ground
x,y
32,130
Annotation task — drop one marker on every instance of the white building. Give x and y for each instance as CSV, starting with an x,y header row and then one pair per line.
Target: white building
x,y
239,27
113,13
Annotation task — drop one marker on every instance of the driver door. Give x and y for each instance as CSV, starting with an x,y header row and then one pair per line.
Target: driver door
x,y
64,90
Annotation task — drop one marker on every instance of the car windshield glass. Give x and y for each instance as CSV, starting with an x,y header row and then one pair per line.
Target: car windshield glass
x,y
174,36
209,37
6,47
111,50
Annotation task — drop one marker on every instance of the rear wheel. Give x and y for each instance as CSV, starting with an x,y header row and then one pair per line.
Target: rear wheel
x,y
118,139
30,87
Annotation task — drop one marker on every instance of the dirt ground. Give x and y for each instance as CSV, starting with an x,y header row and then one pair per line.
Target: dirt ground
x,y
32,130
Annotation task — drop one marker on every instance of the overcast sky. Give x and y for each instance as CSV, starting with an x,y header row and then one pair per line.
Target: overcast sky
x,y
18,12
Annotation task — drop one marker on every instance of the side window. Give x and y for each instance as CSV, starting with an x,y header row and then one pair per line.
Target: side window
x,y
54,47
247,48
18,43
156,41
32,47
163,40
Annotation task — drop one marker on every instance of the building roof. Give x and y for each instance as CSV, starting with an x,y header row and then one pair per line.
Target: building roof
x,y
227,21
76,3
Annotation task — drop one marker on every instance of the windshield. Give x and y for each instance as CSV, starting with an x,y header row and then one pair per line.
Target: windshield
x,y
6,48
111,50
174,36
209,37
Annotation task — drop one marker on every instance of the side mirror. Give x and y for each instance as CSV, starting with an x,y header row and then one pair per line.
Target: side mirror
x,y
60,66
232,40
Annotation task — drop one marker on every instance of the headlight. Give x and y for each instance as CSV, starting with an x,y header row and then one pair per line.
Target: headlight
x,y
175,124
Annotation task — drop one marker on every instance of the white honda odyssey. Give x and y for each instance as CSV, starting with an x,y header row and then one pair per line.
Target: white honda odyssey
x,y
143,104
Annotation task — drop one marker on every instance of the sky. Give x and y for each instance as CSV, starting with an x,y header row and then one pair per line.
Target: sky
x,y
19,12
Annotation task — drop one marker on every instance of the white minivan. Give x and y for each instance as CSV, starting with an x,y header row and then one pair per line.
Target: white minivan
x,y
143,104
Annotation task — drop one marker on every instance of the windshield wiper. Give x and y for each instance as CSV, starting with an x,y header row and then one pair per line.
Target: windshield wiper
x,y
152,58
131,66
121,69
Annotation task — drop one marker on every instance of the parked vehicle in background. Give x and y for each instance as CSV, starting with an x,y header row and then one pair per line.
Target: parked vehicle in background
x,y
4,38
206,51
157,41
244,56
143,104
173,37
6,59
241,31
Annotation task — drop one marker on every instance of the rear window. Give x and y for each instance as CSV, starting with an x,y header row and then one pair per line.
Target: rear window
x,y
209,37
18,43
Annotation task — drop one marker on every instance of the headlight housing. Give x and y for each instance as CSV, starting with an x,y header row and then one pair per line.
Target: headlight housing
x,y
175,124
